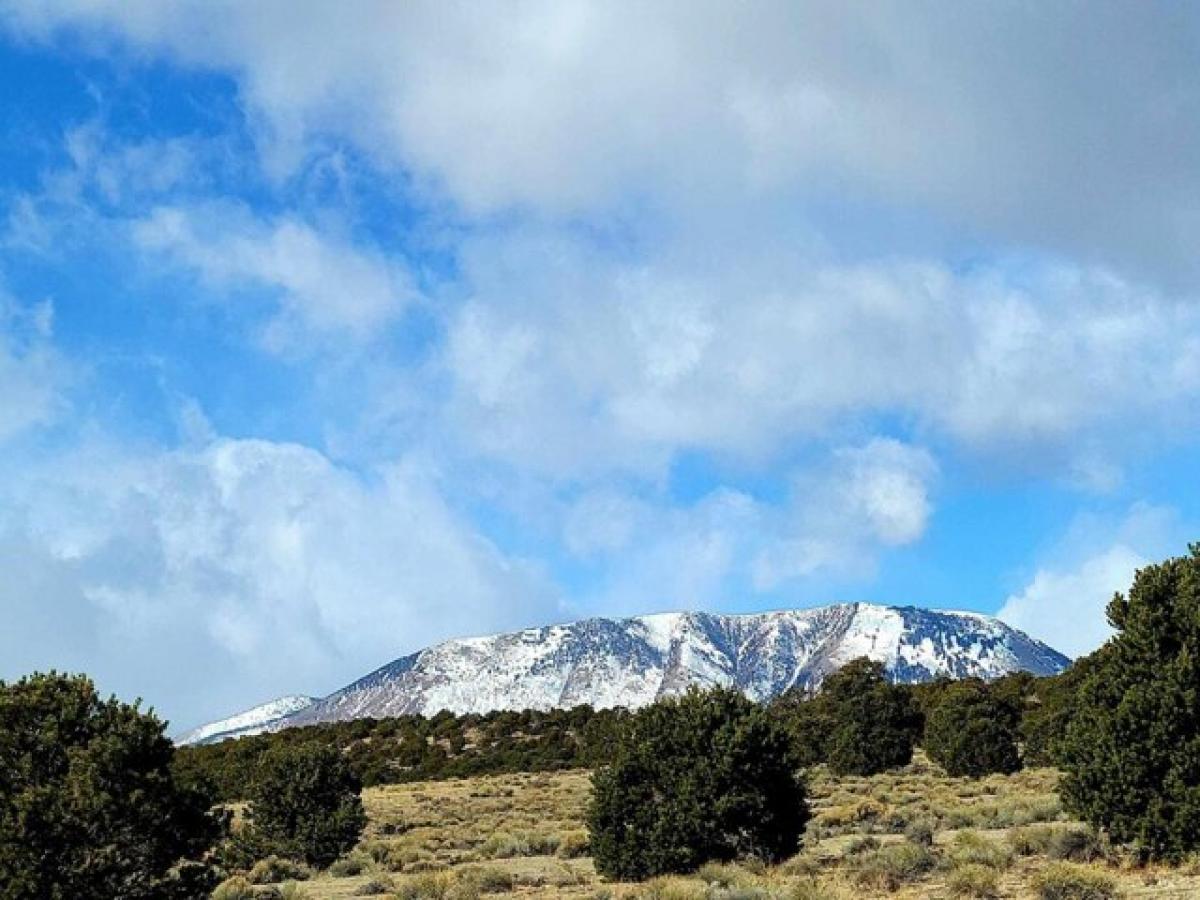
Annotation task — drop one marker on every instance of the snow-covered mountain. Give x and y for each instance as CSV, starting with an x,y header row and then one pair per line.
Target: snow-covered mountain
x,y
252,721
631,662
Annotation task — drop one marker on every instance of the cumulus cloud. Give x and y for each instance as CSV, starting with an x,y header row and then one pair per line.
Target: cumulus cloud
x,y
322,285
565,108
264,566
1064,602
569,361
730,546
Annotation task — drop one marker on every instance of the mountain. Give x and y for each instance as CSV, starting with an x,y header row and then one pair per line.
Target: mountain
x,y
631,662
252,721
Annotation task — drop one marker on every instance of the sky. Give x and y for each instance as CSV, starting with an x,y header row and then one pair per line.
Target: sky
x,y
329,331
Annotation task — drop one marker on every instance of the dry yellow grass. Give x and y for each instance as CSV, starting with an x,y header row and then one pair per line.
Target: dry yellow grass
x,y
523,835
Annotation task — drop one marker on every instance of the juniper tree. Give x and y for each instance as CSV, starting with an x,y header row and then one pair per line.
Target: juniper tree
x,y
707,776
874,723
971,731
305,803
89,807
1132,749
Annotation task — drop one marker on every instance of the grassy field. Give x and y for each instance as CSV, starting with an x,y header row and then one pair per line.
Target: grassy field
x,y
912,834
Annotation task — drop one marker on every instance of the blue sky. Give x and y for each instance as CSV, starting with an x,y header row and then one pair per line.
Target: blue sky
x,y
327,334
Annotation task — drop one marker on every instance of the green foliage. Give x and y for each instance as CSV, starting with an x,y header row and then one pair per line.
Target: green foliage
x,y
972,732
1051,708
876,723
708,776
810,722
892,866
88,804
416,748
859,723
1132,750
305,804
1065,881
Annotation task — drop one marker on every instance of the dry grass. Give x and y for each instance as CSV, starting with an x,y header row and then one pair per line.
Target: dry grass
x,y
524,836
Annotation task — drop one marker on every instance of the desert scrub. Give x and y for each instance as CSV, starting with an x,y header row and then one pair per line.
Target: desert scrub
x,y
488,879
815,889
971,848
1070,881
573,844
890,867
973,880
373,887
671,888
724,875
436,886
236,888
504,845
1078,844
274,870
1031,840
920,831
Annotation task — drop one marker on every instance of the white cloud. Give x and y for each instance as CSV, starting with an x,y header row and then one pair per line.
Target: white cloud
x,y
728,546
842,513
886,485
262,565
322,285
568,362
1047,124
33,375
1066,609
1065,600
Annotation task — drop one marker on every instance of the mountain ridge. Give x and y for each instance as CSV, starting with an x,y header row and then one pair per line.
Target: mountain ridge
x,y
633,661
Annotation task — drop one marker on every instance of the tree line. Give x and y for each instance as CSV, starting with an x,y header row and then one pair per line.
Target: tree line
x,y
859,723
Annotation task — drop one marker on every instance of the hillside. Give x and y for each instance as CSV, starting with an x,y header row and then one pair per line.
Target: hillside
x,y
631,662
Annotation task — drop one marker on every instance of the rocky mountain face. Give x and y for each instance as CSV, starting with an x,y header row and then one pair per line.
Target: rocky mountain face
x,y
631,662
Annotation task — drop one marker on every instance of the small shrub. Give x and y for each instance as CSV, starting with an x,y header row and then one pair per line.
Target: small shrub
x,y
274,870
970,848
349,866
374,887
671,889
488,879
291,891
505,845
1068,881
573,844
890,867
236,888
814,889
973,880
862,844
920,831
1075,844
1031,840
724,875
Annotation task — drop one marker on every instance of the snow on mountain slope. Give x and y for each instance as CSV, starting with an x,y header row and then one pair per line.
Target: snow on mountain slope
x,y
632,662
252,721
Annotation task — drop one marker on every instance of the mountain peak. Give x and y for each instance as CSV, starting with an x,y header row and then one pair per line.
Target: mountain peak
x,y
633,661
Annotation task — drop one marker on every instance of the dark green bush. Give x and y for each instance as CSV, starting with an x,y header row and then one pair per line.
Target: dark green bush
x,y
708,776
875,722
1132,750
305,804
972,732
89,807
